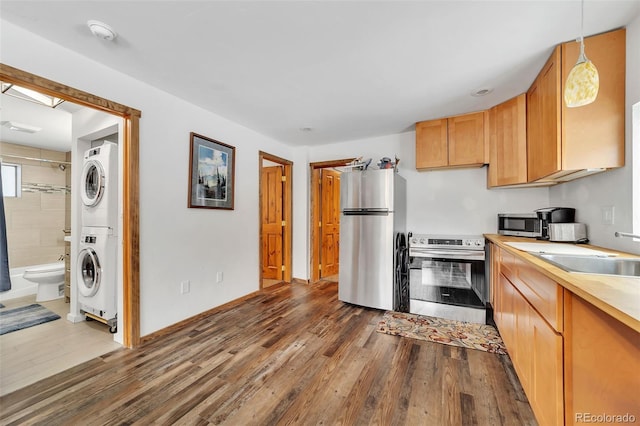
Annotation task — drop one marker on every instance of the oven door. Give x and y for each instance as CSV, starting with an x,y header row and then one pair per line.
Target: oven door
x,y
454,277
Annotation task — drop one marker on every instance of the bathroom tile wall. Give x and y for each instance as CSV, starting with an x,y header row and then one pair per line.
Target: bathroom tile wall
x,y
36,220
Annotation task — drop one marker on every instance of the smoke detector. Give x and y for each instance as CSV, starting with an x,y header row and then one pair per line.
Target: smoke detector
x,y
101,30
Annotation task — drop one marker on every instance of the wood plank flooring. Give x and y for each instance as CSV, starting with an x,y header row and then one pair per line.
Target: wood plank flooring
x,y
293,354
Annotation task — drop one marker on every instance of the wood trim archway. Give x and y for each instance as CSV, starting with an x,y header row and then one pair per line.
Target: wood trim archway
x,y
131,191
314,238
287,195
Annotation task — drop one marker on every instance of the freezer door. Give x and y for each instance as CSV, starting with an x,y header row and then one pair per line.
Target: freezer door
x,y
366,260
369,189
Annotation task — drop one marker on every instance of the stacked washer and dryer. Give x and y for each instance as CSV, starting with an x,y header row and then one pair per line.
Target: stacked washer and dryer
x,y
98,251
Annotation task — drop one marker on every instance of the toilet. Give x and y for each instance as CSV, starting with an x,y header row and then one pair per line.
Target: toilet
x,y
50,280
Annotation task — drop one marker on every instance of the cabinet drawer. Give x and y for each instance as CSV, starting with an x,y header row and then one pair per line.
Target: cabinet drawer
x,y
507,264
544,294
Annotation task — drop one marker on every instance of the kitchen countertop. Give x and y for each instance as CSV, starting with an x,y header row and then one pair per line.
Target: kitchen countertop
x,y
615,295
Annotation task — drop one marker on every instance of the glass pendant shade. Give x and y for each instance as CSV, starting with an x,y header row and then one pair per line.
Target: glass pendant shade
x,y
583,82
581,87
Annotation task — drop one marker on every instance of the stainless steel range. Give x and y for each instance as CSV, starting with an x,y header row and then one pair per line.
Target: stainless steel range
x,y
446,277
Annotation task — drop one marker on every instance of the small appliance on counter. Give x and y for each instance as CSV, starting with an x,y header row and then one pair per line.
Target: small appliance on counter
x,y
568,232
519,224
550,215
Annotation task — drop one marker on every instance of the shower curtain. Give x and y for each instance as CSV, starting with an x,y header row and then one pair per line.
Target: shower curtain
x,y
5,278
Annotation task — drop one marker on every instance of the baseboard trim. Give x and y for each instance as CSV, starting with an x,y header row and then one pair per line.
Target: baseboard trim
x,y
174,327
299,281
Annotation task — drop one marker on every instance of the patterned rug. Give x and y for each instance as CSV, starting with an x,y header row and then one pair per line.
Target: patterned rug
x,y
438,330
25,316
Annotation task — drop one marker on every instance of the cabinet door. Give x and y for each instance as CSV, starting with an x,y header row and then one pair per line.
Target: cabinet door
x,y
466,139
593,135
602,366
431,144
508,144
546,391
543,118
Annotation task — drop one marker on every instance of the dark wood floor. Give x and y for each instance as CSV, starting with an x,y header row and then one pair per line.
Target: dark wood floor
x,y
290,355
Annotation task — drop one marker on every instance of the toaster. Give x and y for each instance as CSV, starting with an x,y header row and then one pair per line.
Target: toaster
x,y
568,232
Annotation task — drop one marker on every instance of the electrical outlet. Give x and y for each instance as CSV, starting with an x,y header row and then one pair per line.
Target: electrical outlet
x,y
184,287
608,215
219,277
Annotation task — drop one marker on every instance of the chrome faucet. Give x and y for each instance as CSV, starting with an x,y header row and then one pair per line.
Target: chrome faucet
x,y
626,234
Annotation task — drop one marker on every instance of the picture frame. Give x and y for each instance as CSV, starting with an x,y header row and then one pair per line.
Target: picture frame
x,y
211,173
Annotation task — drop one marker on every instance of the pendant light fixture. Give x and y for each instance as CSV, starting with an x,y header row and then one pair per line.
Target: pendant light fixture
x,y
581,87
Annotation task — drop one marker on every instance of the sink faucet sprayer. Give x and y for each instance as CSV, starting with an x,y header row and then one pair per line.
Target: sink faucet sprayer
x,y
626,234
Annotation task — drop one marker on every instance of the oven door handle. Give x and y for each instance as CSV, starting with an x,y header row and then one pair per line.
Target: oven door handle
x,y
451,254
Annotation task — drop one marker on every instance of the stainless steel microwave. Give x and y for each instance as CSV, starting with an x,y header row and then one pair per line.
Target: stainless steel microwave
x,y
519,224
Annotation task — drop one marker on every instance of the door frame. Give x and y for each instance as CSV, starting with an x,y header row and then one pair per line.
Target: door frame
x,y
314,214
287,198
131,186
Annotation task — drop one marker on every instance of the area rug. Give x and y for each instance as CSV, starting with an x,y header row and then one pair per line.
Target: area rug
x,y
25,316
438,330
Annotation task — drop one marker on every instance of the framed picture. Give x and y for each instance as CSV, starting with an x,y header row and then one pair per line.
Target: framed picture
x,y
211,173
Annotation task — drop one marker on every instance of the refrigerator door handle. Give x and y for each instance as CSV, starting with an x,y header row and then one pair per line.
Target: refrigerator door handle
x,y
366,212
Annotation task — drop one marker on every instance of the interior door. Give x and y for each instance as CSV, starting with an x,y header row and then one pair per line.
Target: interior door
x,y
330,223
272,228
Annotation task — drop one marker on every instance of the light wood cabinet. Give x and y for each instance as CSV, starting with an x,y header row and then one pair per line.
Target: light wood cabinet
x,y
534,345
508,143
572,359
565,143
452,142
602,364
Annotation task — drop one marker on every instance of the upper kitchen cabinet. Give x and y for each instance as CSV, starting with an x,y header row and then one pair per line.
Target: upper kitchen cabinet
x,y
452,142
567,143
508,143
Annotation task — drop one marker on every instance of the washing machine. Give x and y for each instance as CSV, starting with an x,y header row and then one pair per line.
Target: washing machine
x,y
99,186
96,275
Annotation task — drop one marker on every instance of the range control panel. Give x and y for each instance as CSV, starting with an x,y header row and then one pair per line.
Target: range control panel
x,y
448,241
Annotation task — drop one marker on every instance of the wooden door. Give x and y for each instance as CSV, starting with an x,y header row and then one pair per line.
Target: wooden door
x,y
431,144
466,139
543,116
271,222
329,222
508,142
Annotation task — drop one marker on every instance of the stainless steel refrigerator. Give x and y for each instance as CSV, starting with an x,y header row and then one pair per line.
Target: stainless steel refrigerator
x,y
373,217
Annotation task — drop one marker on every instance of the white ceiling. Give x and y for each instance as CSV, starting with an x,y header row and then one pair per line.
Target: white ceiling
x,y
346,69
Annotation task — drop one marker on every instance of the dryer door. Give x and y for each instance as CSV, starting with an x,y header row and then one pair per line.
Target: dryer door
x,y
92,183
88,272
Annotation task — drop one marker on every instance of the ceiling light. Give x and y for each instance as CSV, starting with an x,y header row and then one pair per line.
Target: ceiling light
x,y
306,129
481,92
30,95
101,30
19,127
581,87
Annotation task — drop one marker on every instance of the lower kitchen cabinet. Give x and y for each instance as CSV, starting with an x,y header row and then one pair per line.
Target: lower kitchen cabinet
x,y
536,352
602,365
576,363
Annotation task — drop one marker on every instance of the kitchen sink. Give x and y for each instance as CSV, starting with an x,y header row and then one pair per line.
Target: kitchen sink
x,y
628,267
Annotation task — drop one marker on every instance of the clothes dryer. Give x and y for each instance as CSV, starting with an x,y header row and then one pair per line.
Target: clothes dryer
x,y
99,186
96,272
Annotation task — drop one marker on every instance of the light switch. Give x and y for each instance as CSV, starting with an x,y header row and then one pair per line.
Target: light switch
x,y
608,215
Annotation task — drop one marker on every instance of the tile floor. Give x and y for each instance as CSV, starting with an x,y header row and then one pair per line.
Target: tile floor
x,y
34,353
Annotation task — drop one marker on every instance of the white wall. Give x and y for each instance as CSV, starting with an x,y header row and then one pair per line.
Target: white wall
x,y
440,202
176,243
613,188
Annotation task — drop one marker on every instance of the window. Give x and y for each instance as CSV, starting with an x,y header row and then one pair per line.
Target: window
x,y
635,156
11,180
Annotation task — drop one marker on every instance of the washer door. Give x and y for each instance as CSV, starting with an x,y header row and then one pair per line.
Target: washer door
x,y
93,183
88,272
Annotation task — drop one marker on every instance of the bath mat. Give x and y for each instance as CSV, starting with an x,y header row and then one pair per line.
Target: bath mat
x,y
439,330
25,316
